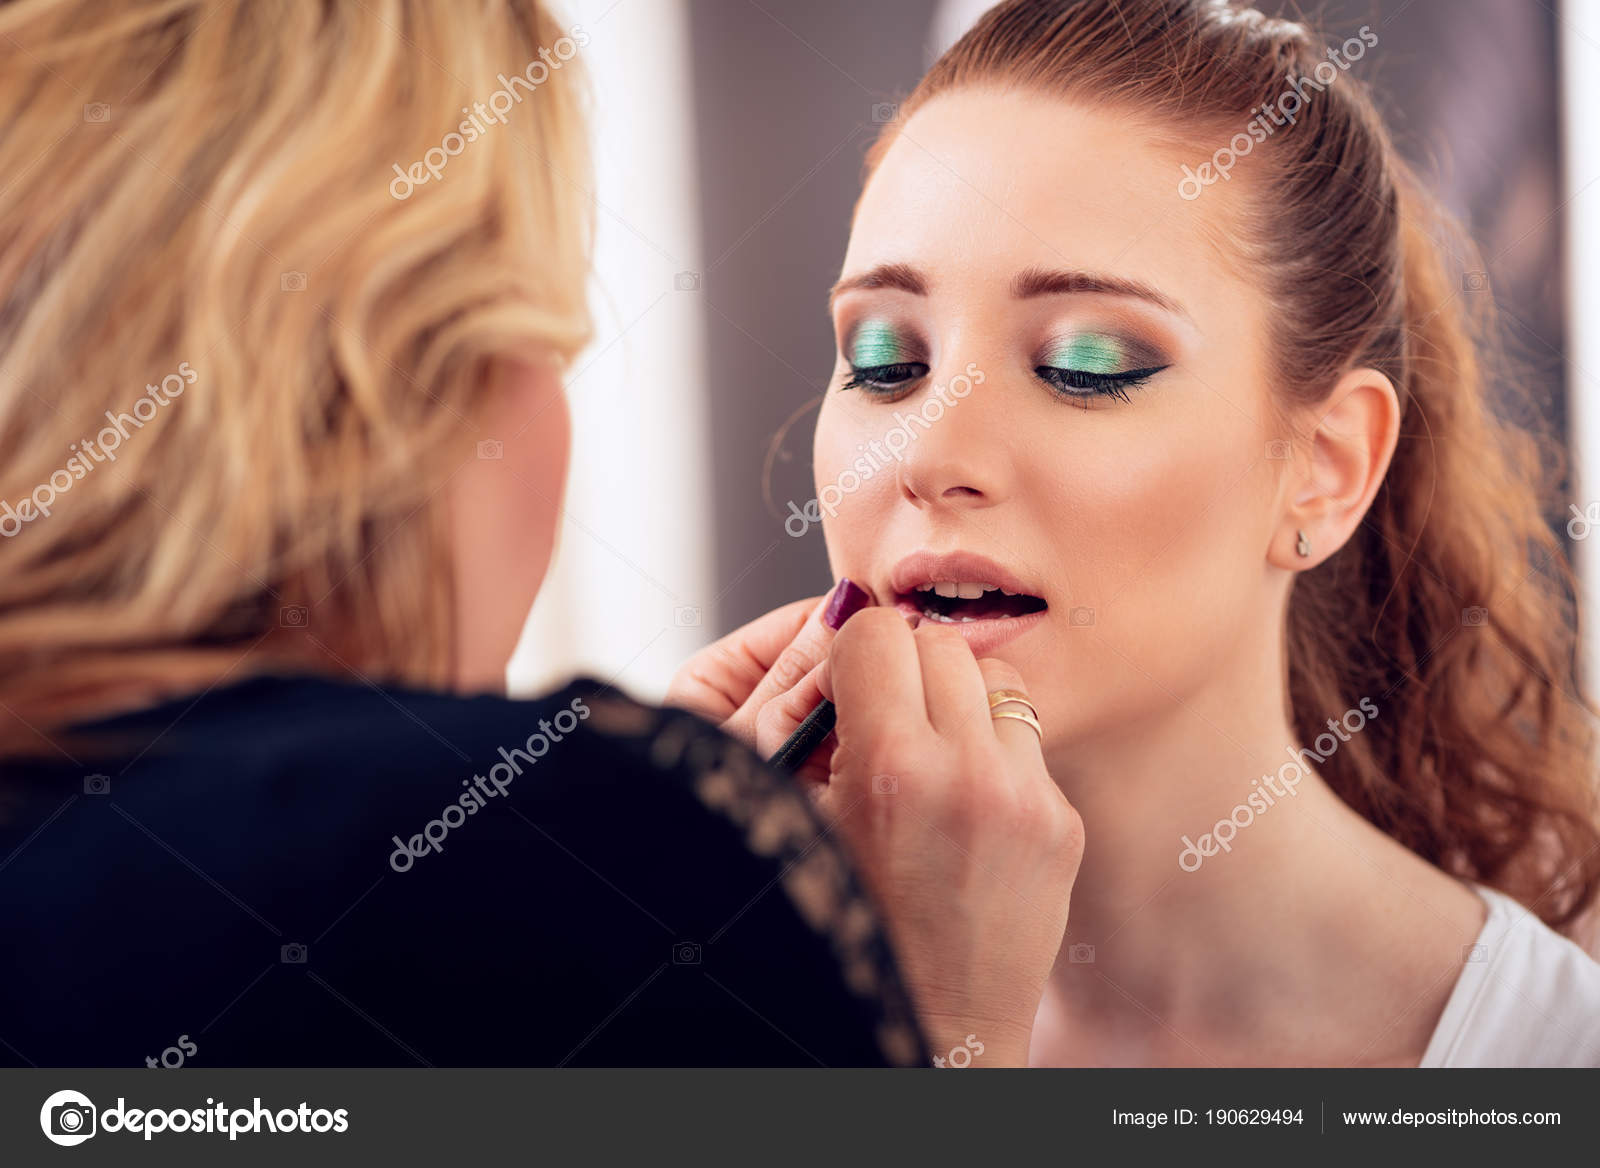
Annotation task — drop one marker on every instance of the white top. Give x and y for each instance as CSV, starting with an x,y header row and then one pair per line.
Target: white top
x,y
1527,997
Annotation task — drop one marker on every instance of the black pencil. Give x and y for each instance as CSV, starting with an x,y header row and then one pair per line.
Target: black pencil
x,y
807,737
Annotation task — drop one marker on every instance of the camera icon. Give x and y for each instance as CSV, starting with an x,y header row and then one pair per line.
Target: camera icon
x,y
292,282
885,785
97,784
293,953
884,111
1081,616
686,282
69,1121
491,448
1278,449
686,953
293,616
97,111
1476,615
1080,954
686,616
1474,954
1475,281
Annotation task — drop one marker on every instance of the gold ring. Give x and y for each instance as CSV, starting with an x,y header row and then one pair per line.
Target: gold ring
x,y
1021,716
1001,696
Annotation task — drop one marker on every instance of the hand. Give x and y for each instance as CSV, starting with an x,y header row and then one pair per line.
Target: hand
x,y
760,681
962,838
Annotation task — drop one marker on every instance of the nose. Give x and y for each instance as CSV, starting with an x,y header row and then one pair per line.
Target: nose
x,y
959,456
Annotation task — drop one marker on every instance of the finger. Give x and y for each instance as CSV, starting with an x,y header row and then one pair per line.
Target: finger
x,y
1016,737
824,799
825,674
780,717
808,648
716,681
876,677
952,686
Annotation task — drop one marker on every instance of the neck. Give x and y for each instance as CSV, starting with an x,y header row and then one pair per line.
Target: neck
x,y
1218,862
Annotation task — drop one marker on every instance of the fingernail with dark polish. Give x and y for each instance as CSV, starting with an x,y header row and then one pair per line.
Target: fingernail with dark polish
x,y
847,600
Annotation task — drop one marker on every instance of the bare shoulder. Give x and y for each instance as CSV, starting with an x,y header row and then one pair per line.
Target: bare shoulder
x,y
1423,926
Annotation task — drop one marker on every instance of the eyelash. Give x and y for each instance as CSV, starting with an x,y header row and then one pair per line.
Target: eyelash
x,y
1080,384
1072,384
902,374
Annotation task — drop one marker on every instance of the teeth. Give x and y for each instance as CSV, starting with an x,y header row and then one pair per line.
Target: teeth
x,y
960,590
942,618
952,589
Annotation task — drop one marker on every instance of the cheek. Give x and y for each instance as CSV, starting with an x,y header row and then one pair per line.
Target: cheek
x,y
543,453
507,499
1162,534
1157,504
855,484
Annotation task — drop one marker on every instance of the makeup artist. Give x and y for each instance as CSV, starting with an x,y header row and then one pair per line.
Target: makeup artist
x,y
259,787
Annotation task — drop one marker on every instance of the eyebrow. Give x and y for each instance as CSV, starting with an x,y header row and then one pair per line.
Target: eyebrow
x,y
1041,282
1028,284
903,277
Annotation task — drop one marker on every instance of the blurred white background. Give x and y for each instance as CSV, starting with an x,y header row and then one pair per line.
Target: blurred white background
x,y
629,594
1580,66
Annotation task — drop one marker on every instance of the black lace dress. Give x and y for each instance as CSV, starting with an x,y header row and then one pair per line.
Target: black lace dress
x,y
297,872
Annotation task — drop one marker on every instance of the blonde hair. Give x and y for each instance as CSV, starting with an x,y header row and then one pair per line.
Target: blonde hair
x,y
217,185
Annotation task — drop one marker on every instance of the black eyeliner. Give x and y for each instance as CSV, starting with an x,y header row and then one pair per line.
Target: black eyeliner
x,y
1081,383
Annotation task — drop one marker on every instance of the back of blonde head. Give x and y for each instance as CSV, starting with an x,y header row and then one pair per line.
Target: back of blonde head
x,y
207,248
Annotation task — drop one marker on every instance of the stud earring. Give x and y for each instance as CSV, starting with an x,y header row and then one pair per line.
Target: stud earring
x,y
1302,545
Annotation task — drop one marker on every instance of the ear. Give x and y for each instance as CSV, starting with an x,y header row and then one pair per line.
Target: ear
x,y
1347,441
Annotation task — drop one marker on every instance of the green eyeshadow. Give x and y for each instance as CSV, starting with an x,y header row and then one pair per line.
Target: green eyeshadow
x,y
1089,353
877,343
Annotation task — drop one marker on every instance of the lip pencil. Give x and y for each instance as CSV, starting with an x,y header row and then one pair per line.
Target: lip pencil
x,y
847,599
818,724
